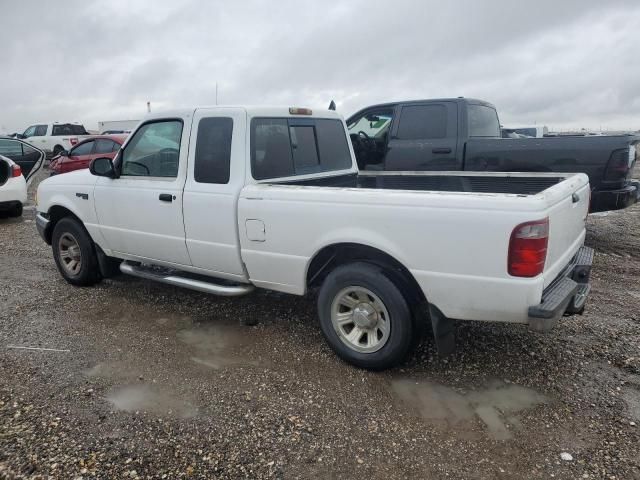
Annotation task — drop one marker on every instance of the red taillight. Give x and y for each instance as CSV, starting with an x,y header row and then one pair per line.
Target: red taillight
x,y
620,164
16,171
73,141
528,248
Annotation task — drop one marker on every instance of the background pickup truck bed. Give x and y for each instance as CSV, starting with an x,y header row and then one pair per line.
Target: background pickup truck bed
x,y
442,182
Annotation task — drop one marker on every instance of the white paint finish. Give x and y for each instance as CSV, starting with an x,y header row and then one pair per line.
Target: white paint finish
x,y
210,210
134,221
62,190
15,188
454,243
256,231
132,218
457,243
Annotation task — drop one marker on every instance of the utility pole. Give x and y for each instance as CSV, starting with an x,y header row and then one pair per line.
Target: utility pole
x,y
216,93
148,107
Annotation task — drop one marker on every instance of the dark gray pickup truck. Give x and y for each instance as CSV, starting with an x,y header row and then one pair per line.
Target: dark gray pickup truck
x,y
464,134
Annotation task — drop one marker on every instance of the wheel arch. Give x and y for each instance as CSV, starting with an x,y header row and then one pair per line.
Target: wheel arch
x,y
55,214
336,254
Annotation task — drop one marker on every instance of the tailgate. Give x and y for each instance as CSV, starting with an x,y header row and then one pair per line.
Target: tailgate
x,y
566,230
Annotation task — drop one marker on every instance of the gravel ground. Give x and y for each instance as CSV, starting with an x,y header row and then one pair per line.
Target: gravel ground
x,y
157,382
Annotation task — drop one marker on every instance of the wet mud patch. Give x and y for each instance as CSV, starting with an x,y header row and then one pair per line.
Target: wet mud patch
x,y
497,406
145,398
217,346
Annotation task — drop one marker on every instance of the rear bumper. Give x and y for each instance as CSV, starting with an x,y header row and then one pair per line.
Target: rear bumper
x,y
603,200
10,205
566,295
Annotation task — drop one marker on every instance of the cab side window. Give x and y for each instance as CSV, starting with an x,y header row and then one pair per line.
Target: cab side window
x,y
10,148
30,132
83,149
154,150
104,145
213,150
41,131
422,122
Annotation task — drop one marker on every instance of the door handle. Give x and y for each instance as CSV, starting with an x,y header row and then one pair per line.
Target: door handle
x,y
441,150
166,197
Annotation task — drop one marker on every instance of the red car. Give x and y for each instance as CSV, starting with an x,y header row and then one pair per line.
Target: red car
x,y
80,155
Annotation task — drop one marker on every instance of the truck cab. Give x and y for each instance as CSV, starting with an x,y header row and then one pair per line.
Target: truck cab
x,y
464,134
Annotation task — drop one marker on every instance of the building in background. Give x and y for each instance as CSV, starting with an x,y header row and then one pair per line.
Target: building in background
x,y
117,126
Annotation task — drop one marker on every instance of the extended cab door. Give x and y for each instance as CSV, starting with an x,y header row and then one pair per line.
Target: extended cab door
x,y
215,177
424,137
140,213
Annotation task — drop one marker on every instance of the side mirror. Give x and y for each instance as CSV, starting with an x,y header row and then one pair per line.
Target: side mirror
x,y
20,136
102,167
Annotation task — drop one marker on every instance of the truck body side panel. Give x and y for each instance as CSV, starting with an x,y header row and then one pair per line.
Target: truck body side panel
x,y
455,244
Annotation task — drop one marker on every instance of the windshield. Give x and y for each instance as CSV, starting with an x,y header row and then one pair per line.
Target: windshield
x,y
374,125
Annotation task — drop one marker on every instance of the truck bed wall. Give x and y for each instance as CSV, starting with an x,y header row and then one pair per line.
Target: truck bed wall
x,y
513,184
588,155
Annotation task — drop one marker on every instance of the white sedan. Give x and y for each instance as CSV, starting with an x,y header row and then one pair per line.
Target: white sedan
x,y
13,188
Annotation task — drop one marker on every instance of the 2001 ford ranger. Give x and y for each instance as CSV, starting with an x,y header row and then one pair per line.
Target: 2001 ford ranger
x,y
226,199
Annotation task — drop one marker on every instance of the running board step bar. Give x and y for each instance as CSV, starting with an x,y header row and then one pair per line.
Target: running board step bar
x,y
231,290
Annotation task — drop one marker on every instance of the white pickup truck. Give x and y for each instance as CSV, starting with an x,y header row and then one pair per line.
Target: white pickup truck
x,y
226,199
54,138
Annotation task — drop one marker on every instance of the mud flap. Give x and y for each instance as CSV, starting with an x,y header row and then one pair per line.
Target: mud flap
x,y
109,267
444,332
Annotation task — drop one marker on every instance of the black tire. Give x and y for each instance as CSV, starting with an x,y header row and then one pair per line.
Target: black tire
x,y
373,278
88,272
56,150
16,211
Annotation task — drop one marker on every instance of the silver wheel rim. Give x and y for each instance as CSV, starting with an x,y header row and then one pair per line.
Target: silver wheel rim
x,y
360,319
70,254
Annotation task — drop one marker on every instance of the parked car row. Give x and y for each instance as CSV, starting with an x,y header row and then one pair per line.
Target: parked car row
x,y
19,162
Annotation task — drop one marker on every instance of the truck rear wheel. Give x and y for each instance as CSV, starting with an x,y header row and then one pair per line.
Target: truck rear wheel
x,y
74,253
364,316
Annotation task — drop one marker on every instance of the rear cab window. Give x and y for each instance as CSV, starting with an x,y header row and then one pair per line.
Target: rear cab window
x,y
286,147
483,121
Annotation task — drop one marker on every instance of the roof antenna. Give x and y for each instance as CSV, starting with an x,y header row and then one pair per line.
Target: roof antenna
x,y
332,105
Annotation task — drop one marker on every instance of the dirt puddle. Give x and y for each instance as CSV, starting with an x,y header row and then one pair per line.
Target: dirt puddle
x,y
216,346
496,406
137,398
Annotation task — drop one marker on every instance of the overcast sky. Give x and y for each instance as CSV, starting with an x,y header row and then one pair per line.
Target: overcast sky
x,y
560,63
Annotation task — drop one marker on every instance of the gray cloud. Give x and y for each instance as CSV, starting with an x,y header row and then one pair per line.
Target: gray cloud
x,y
563,64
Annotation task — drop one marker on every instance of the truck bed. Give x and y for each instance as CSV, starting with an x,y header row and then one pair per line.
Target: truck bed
x,y
518,184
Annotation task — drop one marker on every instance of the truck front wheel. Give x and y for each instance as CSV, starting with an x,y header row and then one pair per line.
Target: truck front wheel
x,y
364,316
74,253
